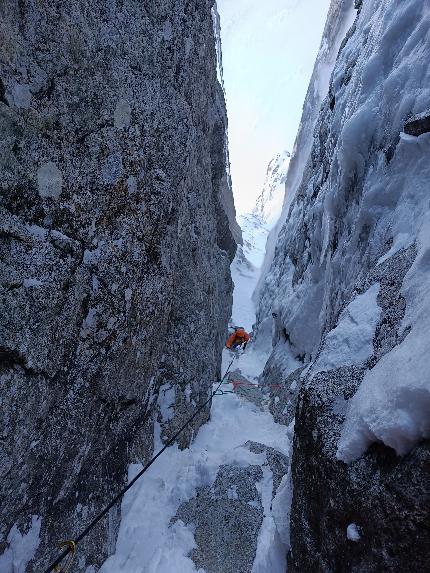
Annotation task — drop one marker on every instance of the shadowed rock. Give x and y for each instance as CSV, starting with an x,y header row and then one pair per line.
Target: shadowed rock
x,y
418,125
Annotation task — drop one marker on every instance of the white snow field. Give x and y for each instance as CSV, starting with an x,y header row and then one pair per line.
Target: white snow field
x,y
147,542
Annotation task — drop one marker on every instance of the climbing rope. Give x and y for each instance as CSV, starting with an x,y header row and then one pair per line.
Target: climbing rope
x,y
70,546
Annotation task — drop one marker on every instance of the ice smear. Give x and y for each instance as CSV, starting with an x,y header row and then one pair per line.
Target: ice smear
x,y
21,548
281,508
166,402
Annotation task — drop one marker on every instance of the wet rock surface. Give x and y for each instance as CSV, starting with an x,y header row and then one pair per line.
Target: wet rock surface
x,y
115,249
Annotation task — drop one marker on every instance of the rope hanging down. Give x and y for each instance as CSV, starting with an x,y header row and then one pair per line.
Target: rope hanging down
x,y
84,533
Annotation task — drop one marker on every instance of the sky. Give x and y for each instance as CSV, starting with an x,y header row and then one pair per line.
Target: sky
x,y
269,48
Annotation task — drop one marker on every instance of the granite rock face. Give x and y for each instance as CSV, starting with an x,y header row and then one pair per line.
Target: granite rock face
x,y
227,518
340,240
115,250
386,496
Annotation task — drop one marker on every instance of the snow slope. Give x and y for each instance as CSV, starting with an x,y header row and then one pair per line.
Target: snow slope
x,y
148,541
245,269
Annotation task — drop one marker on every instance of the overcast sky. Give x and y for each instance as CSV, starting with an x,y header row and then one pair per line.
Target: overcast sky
x,y
269,49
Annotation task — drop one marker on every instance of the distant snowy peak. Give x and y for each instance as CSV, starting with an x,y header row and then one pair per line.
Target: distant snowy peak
x,y
254,232
269,203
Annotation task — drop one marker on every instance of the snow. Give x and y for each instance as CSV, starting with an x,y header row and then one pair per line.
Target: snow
x,y
269,203
271,553
392,405
22,96
122,114
147,540
21,547
402,241
317,91
281,508
351,341
245,269
166,402
32,283
352,532
112,168
375,194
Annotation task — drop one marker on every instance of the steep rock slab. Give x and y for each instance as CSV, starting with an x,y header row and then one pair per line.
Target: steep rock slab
x,y
115,251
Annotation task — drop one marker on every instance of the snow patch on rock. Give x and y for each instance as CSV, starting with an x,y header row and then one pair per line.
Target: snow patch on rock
x,y
21,547
351,341
352,532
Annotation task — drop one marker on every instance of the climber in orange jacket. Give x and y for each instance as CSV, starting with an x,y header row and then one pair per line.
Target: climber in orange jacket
x,y
239,337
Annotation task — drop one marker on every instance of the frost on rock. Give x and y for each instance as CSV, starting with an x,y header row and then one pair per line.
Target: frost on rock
x,y
112,168
21,95
166,402
122,114
117,230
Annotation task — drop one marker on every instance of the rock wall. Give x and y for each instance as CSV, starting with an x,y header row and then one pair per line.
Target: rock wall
x,y
347,281
115,249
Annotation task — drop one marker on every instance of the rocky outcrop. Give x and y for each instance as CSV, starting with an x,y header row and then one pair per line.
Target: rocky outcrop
x,y
115,250
347,280
227,517
387,497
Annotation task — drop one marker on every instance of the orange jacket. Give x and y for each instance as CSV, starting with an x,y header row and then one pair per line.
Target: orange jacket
x,y
239,336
